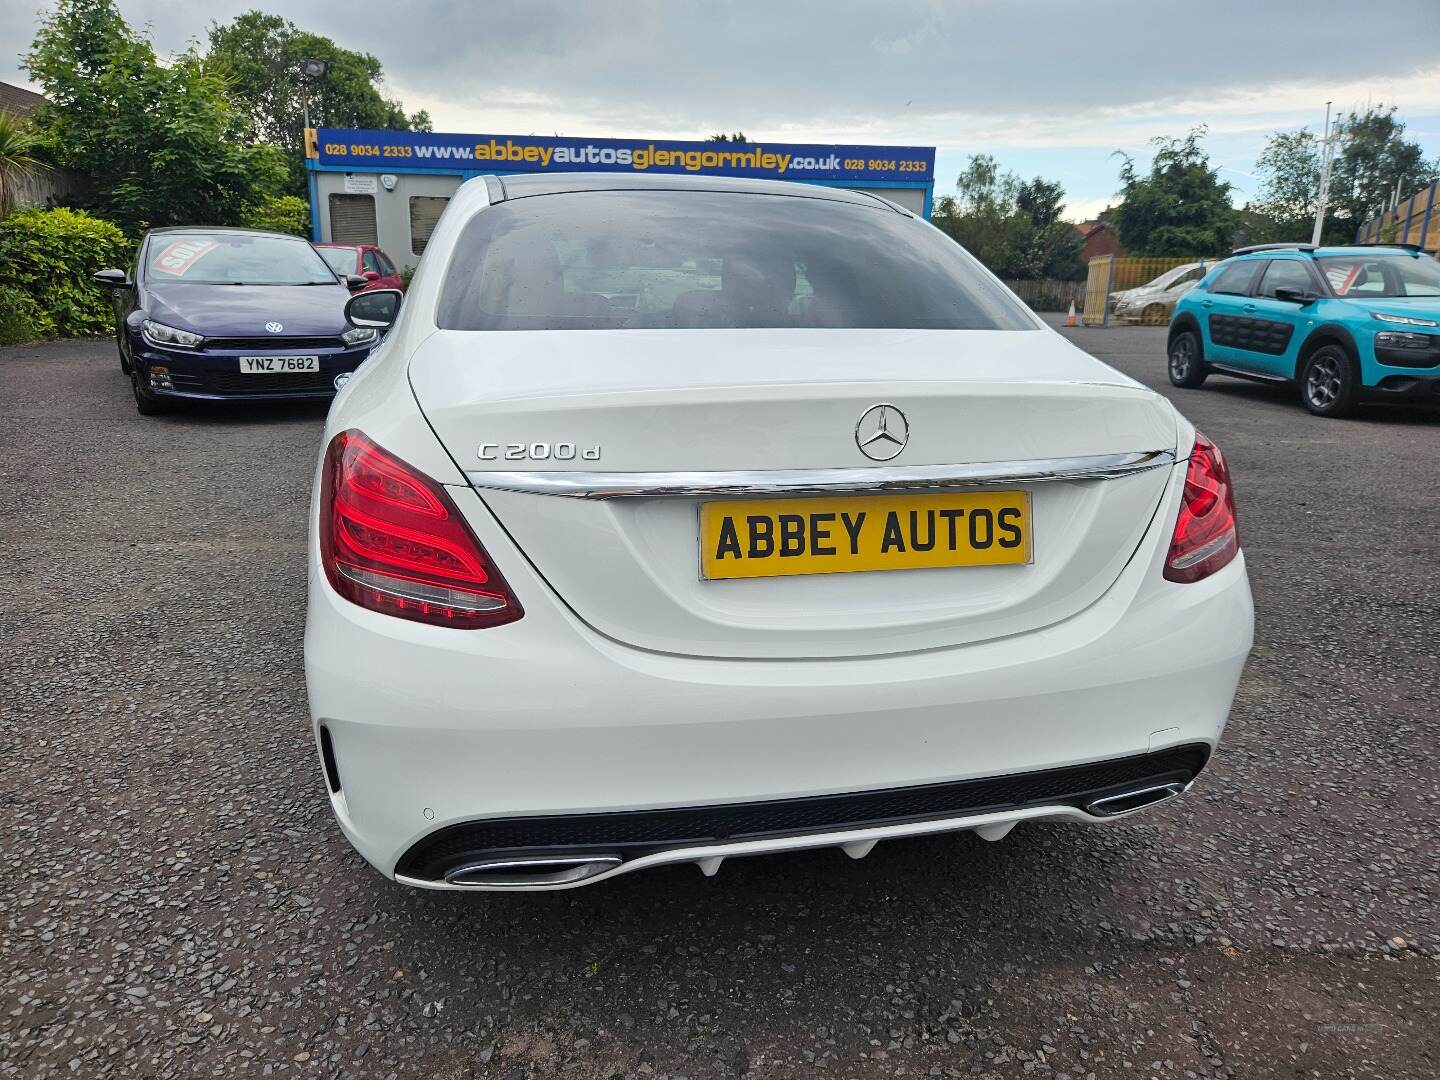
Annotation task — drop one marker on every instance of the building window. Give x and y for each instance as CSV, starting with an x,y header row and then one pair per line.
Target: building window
x,y
352,219
425,211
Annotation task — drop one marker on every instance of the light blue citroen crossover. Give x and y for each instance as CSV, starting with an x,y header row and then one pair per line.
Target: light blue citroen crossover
x,y
1343,324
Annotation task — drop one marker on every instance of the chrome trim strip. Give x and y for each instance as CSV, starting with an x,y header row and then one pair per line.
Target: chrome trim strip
x,y
1225,369
622,485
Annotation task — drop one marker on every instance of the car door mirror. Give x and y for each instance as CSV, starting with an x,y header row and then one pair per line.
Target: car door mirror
x,y
355,281
1294,296
111,279
370,275
377,309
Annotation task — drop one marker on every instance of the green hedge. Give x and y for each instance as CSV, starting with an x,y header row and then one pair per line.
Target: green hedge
x,y
49,256
282,214
17,317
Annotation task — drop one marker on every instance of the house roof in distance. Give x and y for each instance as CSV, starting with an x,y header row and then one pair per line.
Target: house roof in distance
x,y
18,101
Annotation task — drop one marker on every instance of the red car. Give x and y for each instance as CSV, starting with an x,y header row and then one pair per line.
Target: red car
x,y
366,260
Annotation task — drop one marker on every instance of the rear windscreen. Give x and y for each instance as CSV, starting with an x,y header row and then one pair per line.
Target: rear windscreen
x,y
701,259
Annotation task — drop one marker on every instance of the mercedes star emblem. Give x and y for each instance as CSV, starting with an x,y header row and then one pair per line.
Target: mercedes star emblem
x,y
882,432
274,327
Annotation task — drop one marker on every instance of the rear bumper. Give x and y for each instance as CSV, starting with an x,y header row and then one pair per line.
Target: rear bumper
x,y
603,844
435,728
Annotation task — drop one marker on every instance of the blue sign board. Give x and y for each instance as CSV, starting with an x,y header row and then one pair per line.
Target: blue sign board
x,y
381,151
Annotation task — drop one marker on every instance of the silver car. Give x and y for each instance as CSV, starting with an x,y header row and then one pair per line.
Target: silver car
x,y
1154,301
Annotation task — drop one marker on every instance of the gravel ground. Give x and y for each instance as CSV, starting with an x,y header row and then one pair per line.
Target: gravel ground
x,y
177,901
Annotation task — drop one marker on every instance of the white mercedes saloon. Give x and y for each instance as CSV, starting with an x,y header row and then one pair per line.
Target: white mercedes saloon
x,y
678,519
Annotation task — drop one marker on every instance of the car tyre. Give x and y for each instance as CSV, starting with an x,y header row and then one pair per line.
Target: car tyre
x,y
146,403
1186,365
1330,382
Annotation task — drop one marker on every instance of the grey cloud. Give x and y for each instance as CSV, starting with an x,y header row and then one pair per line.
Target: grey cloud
x,y
692,64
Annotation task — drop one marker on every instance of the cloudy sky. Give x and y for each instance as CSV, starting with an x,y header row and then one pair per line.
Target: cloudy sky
x,y
1049,88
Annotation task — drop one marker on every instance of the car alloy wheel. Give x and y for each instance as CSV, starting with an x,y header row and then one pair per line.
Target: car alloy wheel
x,y
1186,367
1328,384
1322,384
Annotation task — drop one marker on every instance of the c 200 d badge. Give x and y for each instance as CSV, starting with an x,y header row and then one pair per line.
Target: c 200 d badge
x,y
538,451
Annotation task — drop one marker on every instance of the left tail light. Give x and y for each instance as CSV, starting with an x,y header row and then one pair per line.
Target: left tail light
x,y
1206,535
393,541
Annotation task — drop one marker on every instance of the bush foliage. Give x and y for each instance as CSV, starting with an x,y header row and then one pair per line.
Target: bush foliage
x,y
48,257
161,136
17,317
1181,207
282,214
1011,225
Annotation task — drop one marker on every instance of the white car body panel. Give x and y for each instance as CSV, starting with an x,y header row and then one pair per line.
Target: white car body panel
x,y
767,399
631,684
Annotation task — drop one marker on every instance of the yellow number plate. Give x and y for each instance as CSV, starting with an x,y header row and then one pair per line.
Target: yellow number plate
x,y
824,535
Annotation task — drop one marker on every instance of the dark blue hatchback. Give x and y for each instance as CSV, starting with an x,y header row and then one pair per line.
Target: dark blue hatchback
x,y
232,314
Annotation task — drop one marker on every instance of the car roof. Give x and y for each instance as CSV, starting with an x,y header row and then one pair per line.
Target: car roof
x,y
1368,250
167,229
1270,251
529,185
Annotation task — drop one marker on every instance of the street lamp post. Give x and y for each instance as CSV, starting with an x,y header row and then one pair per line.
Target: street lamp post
x,y
310,71
1327,162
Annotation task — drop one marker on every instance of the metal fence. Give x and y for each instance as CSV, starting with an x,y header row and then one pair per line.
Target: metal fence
x,y
1049,294
1414,221
1153,286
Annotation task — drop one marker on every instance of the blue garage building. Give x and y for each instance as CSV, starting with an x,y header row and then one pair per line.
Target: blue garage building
x,y
389,187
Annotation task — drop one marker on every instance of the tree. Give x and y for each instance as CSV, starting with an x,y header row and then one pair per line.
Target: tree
x,y
260,55
1042,200
161,139
1289,168
1010,225
1372,158
738,136
19,146
1181,207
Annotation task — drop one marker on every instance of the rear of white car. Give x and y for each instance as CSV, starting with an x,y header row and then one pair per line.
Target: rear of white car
x,y
675,521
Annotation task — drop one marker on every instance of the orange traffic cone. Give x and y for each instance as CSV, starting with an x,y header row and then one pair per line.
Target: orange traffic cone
x,y
1070,319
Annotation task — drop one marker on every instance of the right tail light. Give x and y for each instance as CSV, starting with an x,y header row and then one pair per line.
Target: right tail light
x,y
1206,535
392,540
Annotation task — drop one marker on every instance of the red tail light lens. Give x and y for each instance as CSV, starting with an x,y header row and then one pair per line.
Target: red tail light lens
x,y
1206,535
393,541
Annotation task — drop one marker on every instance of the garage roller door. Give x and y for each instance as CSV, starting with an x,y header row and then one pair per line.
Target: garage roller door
x,y
352,219
425,211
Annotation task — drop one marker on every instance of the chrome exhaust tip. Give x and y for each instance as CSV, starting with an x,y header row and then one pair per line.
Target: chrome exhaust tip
x,y
531,871
1127,802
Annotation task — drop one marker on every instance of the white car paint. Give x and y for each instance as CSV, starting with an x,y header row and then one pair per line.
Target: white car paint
x,y
631,684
